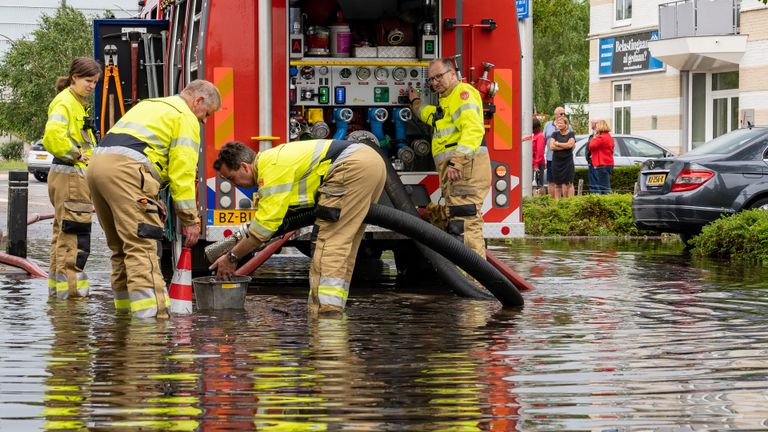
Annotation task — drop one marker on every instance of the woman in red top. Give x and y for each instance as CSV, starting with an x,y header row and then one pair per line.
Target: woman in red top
x,y
538,156
601,147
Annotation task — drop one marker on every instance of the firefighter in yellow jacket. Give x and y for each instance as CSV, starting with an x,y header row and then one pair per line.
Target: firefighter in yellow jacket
x,y
340,179
154,144
459,150
70,140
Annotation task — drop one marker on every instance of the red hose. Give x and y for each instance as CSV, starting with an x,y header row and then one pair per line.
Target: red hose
x,y
263,255
514,277
30,267
36,217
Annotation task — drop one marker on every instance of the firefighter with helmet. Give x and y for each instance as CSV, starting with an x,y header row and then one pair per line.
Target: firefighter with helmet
x,y
70,140
340,179
459,150
154,144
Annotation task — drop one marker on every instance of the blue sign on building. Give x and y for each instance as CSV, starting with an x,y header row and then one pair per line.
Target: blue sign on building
x,y
522,9
628,54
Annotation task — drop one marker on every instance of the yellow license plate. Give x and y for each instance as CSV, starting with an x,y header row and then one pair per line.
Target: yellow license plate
x,y
41,157
656,179
232,217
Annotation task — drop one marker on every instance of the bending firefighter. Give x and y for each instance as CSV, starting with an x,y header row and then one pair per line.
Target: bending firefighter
x,y
69,138
459,150
154,144
340,179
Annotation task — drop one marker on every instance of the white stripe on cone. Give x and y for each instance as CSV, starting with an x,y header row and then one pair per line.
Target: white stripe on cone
x,y
180,290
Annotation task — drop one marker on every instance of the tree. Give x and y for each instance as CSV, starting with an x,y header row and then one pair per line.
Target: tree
x,y
29,69
560,53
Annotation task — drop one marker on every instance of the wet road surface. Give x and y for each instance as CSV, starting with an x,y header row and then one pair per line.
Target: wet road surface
x,y
617,335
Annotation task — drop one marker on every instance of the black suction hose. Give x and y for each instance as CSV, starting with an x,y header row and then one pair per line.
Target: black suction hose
x,y
432,237
447,272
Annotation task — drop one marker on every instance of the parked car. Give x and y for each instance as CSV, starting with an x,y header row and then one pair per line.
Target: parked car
x,y
629,150
721,177
39,161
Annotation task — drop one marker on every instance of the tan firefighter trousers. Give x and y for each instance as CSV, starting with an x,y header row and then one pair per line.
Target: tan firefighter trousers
x,y
71,240
125,196
464,200
344,199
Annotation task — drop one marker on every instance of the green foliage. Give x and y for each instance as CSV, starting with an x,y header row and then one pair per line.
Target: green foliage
x,y
560,53
12,150
583,215
13,165
29,70
742,237
622,178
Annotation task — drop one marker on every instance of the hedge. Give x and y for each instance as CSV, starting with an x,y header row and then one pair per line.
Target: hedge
x,y
622,179
581,215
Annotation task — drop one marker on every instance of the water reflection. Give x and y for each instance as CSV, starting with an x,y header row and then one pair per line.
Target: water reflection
x,y
617,335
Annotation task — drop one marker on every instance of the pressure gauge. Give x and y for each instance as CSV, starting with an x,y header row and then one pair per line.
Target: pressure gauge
x,y
322,70
307,72
399,74
363,73
381,73
345,73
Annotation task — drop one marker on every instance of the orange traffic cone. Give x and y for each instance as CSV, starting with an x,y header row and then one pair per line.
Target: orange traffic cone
x,y
180,290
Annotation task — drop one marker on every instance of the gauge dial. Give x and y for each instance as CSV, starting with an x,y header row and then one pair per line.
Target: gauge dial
x,y
381,73
345,73
414,73
363,73
399,74
322,70
307,72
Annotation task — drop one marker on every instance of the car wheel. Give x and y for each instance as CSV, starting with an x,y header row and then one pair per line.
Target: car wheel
x,y
761,204
41,176
686,238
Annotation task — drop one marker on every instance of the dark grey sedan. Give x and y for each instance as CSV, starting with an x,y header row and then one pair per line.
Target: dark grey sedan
x,y
721,177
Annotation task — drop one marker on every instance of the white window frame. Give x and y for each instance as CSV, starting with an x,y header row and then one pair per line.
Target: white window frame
x,y
626,20
624,103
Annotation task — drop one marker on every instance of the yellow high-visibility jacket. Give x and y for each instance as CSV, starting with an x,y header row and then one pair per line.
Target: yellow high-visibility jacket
x,y
458,133
167,133
288,176
64,134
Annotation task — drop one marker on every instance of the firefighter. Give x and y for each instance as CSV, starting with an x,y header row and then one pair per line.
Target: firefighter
x,y
340,179
459,150
154,144
69,138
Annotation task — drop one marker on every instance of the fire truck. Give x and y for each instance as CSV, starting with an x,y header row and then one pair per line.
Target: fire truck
x,y
336,69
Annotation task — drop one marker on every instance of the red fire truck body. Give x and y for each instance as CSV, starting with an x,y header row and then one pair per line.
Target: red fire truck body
x,y
291,70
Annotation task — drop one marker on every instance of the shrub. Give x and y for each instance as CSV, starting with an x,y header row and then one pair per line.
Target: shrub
x,y
741,237
622,178
584,215
12,150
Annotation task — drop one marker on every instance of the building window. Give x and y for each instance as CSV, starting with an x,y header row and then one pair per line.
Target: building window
x,y
622,111
623,10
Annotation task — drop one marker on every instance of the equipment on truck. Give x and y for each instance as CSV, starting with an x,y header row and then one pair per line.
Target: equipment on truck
x,y
285,73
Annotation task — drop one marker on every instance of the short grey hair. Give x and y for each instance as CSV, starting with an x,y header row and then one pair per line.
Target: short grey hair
x,y
206,89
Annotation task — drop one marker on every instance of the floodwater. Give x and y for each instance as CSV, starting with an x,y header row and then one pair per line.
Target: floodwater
x,y
618,335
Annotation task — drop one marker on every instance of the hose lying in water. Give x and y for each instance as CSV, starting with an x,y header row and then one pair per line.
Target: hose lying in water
x,y
434,238
447,272
28,266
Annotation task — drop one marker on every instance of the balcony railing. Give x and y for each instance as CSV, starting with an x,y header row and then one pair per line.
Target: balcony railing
x,y
686,18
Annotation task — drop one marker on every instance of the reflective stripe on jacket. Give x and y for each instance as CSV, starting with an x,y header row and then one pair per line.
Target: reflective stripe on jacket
x,y
288,176
460,129
166,131
63,136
